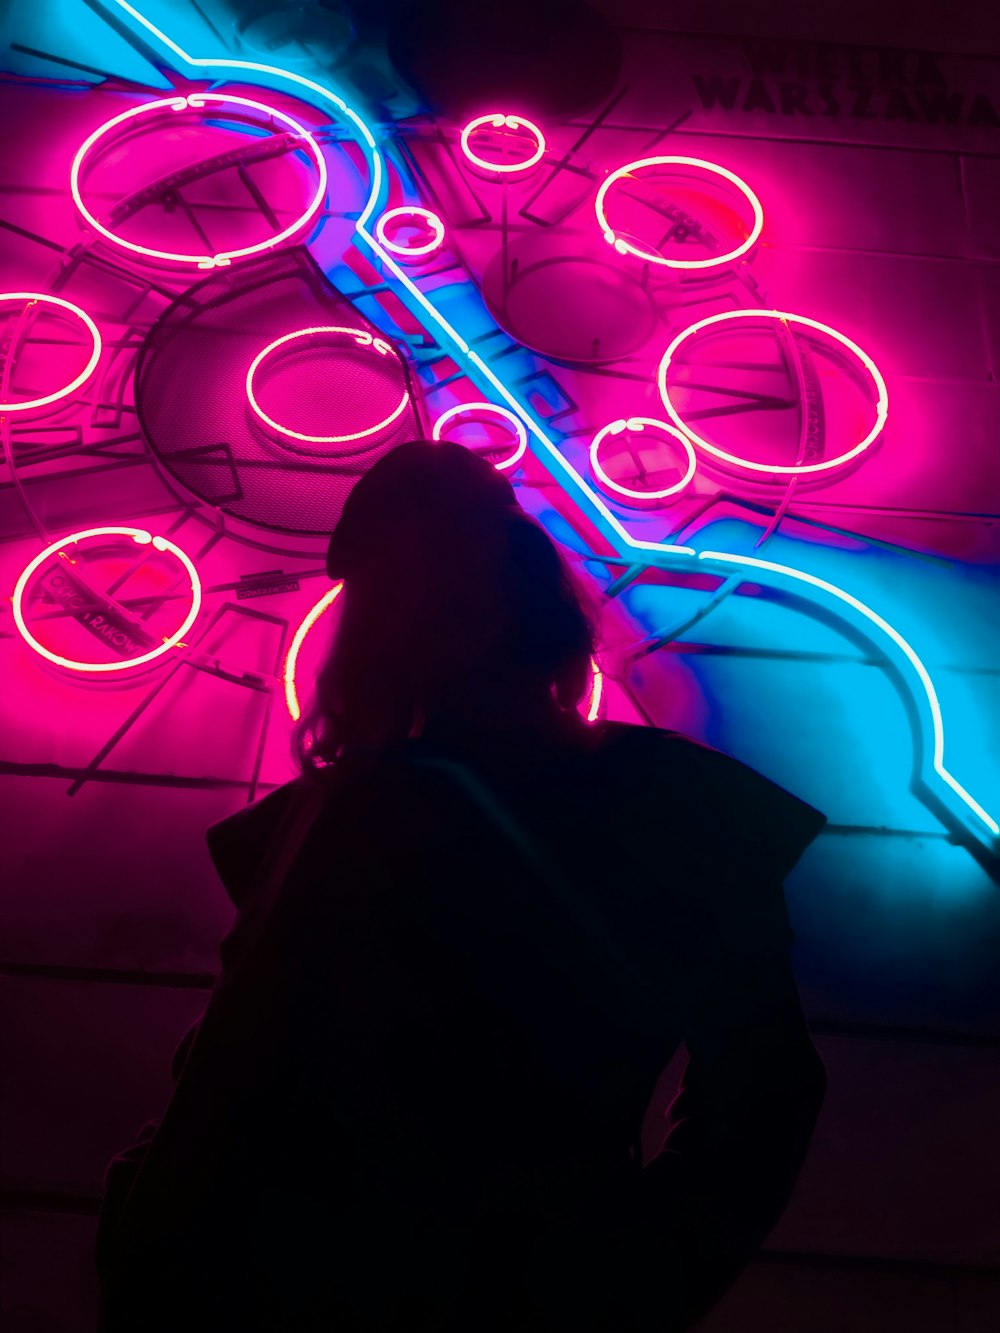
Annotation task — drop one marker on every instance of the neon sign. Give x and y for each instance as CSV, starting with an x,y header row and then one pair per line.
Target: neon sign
x,y
408,213
627,247
45,400
796,469
76,584
639,424
962,810
486,409
363,339
198,102
498,121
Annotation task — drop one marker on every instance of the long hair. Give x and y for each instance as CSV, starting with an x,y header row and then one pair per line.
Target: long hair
x,y
488,604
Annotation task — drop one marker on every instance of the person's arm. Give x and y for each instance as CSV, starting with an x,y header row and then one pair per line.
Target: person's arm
x,y
738,1132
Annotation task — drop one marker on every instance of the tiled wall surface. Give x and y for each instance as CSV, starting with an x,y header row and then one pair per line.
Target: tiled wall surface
x,y
109,921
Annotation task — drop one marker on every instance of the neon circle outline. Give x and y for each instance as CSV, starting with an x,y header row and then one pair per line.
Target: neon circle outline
x,y
84,374
784,469
461,409
627,248
292,656
414,251
142,538
196,101
638,424
364,339
498,120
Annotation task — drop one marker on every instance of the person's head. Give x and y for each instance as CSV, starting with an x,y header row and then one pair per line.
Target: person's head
x,y
457,606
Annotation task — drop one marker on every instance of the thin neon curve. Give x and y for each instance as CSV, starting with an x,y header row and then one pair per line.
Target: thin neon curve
x,y
508,417
638,424
85,373
662,553
292,657
196,101
627,248
142,538
796,469
363,339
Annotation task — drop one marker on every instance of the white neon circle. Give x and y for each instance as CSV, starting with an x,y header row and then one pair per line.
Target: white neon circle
x,y
142,538
84,374
499,121
638,424
363,339
195,102
793,469
407,212
627,248
479,409
291,660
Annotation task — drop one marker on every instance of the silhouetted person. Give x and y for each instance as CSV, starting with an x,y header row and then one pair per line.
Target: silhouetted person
x,y
468,940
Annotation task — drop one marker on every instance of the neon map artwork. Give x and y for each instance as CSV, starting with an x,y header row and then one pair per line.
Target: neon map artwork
x,y
468,347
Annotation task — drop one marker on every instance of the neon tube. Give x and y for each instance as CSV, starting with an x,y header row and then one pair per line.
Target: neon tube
x,y
500,121
638,424
291,660
510,419
363,339
142,538
663,554
593,703
33,298
794,469
411,251
196,102
627,248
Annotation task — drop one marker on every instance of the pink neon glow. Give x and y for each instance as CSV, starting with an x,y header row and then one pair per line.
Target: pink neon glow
x,y
33,298
593,703
499,121
795,469
627,248
406,214
638,424
480,409
196,102
142,538
291,661
363,339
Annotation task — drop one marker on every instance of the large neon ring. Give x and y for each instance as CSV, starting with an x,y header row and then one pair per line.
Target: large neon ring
x,y
627,248
84,374
363,339
498,121
638,424
142,538
466,409
794,469
195,102
411,251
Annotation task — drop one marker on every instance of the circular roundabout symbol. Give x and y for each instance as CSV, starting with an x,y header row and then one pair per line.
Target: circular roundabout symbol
x,y
499,122
33,298
620,430
100,614
480,410
411,214
199,102
785,319
682,225
289,343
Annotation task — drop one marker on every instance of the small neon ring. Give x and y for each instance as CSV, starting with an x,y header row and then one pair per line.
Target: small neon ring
x,y
411,251
794,469
626,248
142,538
638,424
84,374
291,661
498,121
465,409
363,339
195,102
